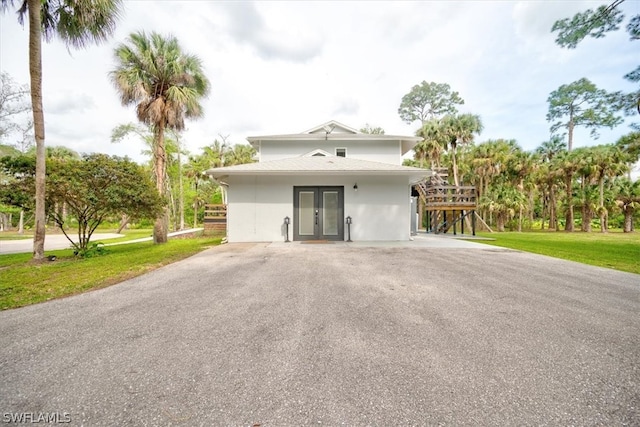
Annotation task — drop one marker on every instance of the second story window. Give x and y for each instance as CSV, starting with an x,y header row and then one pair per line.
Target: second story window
x,y
341,152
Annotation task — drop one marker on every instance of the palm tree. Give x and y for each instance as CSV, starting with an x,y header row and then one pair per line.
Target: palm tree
x,y
176,135
587,194
503,200
609,161
240,154
522,166
547,151
77,23
194,170
166,85
630,144
432,145
215,155
460,129
628,200
565,165
547,183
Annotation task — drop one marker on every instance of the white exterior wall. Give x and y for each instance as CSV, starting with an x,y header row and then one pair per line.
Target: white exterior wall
x,y
373,151
380,209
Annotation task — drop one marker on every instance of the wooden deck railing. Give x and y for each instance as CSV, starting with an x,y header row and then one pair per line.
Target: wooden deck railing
x,y
215,219
447,197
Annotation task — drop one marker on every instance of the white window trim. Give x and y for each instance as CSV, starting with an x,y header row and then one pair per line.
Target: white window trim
x,y
341,148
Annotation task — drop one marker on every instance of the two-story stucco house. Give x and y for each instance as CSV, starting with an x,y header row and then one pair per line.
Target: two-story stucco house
x,y
317,179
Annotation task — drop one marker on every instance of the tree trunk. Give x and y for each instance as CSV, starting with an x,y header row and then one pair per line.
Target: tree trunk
x,y
195,206
545,206
601,209
531,196
553,215
500,220
195,214
570,127
35,72
181,190
454,165
520,220
628,219
160,228
587,214
21,222
123,223
568,226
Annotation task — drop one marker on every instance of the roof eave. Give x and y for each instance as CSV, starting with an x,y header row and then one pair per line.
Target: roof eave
x,y
415,174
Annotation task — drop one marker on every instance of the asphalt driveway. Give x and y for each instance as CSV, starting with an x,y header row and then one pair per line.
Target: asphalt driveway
x,y
335,335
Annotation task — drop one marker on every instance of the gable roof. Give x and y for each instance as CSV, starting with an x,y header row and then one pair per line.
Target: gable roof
x,y
332,126
320,165
337,131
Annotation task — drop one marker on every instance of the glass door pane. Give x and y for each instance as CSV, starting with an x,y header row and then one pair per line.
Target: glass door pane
x,y
330,213
306,208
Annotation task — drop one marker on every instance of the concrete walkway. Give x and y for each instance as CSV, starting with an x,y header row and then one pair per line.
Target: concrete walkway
x,y
59,241
421,240
335,334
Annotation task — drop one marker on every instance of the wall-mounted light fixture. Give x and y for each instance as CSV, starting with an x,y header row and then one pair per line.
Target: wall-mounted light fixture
x,y
355,187
287,221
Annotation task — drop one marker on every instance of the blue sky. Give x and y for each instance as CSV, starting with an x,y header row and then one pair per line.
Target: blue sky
x,y
283,67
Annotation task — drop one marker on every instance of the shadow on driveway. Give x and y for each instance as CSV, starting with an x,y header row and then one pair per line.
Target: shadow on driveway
x,y
275,334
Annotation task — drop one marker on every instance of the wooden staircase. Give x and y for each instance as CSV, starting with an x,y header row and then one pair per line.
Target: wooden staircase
x,y
446,205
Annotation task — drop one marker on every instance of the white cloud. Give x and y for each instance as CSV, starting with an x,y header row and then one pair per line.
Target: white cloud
x,y
279,67
246,25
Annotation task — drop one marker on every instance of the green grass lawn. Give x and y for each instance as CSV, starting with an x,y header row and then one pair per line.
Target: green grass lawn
x,y
620,251
23,283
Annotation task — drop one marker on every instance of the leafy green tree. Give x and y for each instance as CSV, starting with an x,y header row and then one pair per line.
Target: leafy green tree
x,y
18,184
581,103
97,187
173,176
427,101
593,23
596,23
77,23
166,85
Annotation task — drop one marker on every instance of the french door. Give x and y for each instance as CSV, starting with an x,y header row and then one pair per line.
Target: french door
x,y
318,213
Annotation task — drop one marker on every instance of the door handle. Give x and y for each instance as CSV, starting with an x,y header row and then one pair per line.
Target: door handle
x,y
316,216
